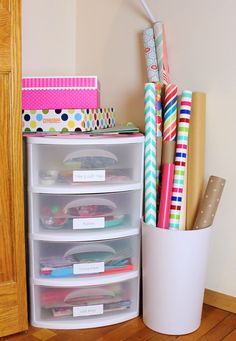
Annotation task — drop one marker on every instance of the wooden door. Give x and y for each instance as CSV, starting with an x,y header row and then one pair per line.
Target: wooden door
x,y
13,314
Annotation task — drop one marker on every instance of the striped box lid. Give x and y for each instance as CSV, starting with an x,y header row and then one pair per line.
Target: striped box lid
x,y
60,82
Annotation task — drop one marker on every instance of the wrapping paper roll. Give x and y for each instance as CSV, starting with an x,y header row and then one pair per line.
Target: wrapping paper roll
x,y
150,154
209,203
170,113
150,55
180,160
196,157
169,135
161,52
158,165
159,129
168,153
182,221
158,110
166,191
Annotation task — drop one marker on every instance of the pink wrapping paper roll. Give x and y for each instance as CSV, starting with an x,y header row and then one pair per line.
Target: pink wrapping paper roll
x,y
166,191
161,52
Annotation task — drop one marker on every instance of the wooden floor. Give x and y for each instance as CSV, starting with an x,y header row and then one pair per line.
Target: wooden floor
x,y
216,325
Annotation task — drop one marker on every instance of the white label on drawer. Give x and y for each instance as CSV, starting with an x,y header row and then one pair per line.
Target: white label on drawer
x,y
88,310
88,268
89,176
88,223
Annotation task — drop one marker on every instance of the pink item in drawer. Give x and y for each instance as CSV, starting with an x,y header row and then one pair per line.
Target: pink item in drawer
x,y
60,92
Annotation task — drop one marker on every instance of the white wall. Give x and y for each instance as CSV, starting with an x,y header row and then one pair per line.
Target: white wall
x,y
48,46
202,55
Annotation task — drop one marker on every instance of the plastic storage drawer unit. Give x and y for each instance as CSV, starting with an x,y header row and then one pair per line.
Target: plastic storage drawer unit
x,y
84,306
84,208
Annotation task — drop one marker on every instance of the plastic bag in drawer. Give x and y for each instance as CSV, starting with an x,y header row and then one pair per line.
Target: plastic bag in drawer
x,y
90,159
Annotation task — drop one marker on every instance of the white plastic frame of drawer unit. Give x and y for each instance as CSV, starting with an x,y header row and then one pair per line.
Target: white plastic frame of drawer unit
x,y
57,261
84,306
85,216
81,163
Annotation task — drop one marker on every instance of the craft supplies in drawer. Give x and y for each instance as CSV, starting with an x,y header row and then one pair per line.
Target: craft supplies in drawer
x,y
76,165
55,303
75,259
63,213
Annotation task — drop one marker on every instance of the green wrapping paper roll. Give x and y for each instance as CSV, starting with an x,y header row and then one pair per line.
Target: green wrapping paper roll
x,y
196,157
150,199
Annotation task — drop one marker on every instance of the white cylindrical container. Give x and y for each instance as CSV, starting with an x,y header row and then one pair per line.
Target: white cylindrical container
x,y
174,272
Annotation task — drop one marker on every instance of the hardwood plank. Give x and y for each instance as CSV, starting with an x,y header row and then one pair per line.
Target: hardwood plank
x,y
231,336
123,330
143,334
221,330
208,322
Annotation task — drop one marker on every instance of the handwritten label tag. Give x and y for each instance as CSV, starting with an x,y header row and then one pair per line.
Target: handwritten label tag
x,y
89,175
88,223
88,310
88,268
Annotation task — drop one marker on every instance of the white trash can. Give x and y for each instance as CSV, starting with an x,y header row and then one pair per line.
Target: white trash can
x,y
174,267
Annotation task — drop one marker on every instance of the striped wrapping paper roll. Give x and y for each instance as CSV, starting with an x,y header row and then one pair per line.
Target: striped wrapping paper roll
x,y
150,55
169,135
150,154
161,52
170,113
180,162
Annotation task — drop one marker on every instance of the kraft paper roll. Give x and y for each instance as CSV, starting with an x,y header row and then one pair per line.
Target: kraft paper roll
x,y
168,152
159,151
196,157
209,203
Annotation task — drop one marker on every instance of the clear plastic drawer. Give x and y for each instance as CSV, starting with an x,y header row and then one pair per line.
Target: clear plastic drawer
x,y
99,304
100,161
77,214
73,259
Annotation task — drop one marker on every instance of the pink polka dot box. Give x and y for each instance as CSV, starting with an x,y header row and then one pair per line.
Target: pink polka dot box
x,y
60,92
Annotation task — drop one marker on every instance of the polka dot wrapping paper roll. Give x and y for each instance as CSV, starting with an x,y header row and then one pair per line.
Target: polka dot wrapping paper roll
x,y
209,203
